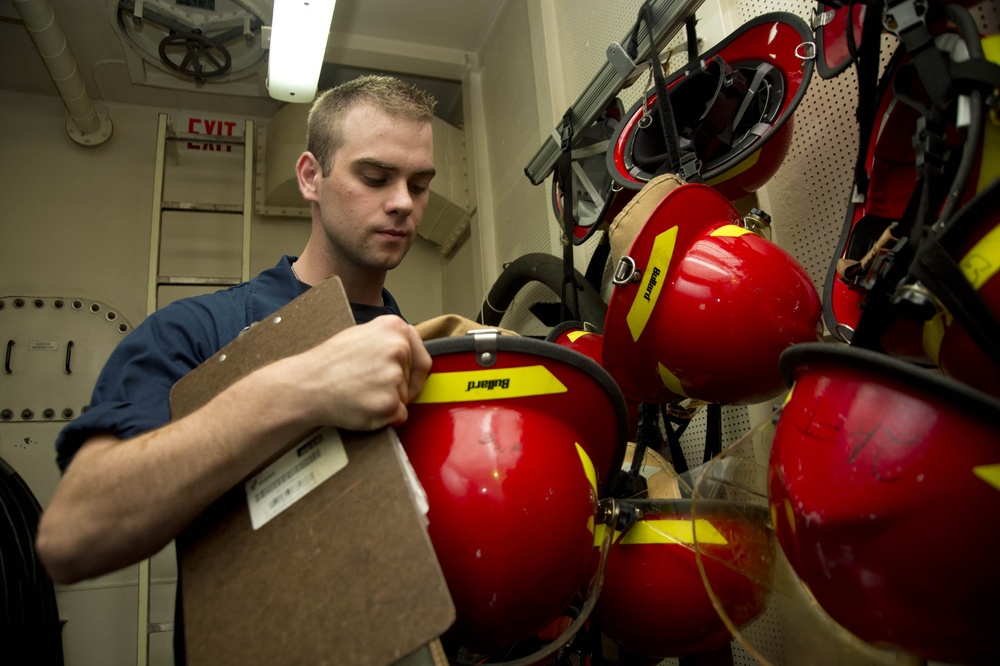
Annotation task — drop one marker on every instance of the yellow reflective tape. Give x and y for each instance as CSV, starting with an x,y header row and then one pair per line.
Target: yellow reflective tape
x,y
492,384
988,473
788,397
790,514
653,278
989,160
983,261
933,336
730,230
673,531
576,335
670,380
588,467
600,529
736,170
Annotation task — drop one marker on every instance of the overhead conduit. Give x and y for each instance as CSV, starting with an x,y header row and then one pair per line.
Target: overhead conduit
x,y
85,126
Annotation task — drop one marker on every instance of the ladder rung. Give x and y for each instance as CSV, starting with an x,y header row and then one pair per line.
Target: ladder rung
x,y
205,138
197,281
159,627
201,207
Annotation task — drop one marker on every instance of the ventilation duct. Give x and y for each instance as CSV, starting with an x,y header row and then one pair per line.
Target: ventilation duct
x,y
85,126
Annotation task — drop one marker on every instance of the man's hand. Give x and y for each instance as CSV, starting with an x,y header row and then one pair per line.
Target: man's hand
x,y
362,378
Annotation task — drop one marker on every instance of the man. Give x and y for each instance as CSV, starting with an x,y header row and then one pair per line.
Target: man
x,y
133,480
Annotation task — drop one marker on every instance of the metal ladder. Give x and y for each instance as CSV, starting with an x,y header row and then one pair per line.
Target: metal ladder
x,y
164,137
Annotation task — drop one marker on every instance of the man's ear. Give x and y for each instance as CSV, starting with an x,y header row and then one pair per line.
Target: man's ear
x,y
309,174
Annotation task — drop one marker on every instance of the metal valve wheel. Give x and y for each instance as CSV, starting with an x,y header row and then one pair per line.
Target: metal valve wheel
x,y
200,57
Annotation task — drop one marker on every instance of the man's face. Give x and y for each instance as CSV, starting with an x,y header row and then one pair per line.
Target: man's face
x,y
372,201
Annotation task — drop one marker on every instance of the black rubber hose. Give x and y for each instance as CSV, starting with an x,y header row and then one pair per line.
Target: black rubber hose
x,y
548,270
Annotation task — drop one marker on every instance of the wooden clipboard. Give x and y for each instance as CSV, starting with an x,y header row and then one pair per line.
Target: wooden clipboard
x,y
344,575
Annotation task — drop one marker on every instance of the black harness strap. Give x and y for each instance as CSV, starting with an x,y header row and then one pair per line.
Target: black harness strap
x,y
866,63
908,20
680,159
568,301
939,272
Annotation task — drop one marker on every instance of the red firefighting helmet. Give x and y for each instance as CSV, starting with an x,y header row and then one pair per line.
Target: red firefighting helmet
x,y
884,486
702,307
734,106
654,603
512,467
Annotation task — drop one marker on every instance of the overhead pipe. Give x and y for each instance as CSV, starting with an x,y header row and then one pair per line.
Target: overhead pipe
x,y
85,126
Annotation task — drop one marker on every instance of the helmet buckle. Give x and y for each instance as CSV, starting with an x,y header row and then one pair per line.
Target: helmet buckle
x,y
626,271
485,345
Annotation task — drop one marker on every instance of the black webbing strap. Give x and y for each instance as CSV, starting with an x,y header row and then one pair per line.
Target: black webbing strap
x,y
866,64
939,272
631,483
691,30
713,431
680,161
935,266
878,314
674,429
909,23
598,260
568,300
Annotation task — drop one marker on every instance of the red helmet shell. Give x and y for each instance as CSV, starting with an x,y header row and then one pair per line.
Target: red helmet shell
x,y
764,47
654,603
512,468
714,308
884,483
833,52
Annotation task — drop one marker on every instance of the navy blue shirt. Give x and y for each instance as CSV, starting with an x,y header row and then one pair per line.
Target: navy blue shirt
x,y
132,394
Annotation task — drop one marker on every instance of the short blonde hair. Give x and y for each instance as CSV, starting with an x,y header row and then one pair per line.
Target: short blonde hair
x,y
384,93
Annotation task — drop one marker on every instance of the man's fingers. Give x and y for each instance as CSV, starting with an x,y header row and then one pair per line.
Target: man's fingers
x,y
420,364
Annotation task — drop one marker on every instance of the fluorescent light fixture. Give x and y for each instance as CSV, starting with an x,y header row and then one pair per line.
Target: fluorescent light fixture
x,y
299,30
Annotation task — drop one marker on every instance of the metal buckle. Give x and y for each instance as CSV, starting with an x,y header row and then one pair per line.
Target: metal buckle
x,y
806,51
819,20
626,271
904,15
485,342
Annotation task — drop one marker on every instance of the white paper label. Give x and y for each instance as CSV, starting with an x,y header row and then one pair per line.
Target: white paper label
x,y
294,475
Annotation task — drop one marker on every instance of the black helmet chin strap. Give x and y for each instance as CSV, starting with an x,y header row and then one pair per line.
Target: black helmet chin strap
x,y
681,158
866,63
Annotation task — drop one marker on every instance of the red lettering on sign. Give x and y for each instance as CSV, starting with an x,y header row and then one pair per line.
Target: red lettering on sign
x,y
211,127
